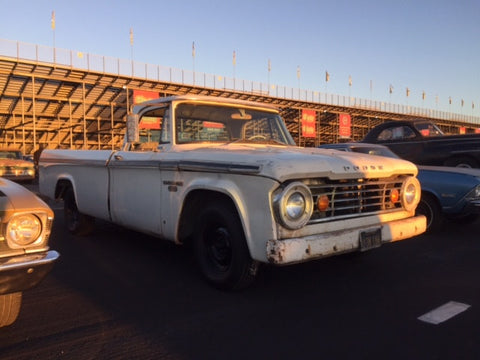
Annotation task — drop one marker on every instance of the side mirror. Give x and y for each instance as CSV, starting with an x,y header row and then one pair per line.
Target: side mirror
x,y
133,135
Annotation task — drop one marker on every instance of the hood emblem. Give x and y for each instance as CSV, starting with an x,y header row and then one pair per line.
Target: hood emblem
x,y
363,167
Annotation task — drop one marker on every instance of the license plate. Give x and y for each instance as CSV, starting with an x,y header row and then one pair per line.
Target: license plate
x,y
370,239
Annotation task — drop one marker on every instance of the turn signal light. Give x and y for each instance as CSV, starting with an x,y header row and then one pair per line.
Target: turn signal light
x,y
394,196
322,203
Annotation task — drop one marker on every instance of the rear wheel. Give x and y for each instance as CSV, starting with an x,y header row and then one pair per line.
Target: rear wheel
x,y
463,161
430,207
221,250
9,308
77,223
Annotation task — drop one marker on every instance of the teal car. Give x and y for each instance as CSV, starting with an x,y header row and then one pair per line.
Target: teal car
x,y
448,193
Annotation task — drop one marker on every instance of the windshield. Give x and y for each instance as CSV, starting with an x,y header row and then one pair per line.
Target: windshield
x,y
428,129
11,155
216,123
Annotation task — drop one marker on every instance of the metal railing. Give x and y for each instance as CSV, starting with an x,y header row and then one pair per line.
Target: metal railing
x,y
135,69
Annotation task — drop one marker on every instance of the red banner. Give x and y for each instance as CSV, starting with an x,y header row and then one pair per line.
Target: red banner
x,y
477,131
308,123
344,125
463,130
140,96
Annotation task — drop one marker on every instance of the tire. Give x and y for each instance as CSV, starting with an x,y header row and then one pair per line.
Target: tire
x,y
10,308
430,207
220,248
463,162
76,222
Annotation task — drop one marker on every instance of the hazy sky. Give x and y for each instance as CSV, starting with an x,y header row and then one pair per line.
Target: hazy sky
x,y
430,46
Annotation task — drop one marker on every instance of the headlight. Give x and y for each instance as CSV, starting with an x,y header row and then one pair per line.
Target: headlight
x,y
294,206
23,230
411,193
476,192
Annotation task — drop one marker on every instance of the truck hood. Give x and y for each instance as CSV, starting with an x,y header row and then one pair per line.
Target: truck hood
x,y
290,162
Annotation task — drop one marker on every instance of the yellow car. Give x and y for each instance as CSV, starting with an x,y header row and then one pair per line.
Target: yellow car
x,y
14,167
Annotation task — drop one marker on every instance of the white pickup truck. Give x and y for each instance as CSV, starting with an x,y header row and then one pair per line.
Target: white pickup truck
x,y
226,177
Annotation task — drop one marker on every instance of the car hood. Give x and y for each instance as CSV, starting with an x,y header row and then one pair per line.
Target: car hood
x,y
16,163
289,162
453,170
16,197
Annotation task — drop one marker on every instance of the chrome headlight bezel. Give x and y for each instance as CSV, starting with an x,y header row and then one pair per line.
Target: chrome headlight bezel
x,y
25,230
410,193
293,206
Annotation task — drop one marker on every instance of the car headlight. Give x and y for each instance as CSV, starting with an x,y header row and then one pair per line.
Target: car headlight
x,y
23,230
294,205
410,193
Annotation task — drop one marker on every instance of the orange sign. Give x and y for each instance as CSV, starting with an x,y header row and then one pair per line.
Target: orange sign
x,y
140,96
308,123
344,125
463,130
477,131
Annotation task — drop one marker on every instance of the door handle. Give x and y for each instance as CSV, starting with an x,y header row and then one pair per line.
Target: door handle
x,y
118,157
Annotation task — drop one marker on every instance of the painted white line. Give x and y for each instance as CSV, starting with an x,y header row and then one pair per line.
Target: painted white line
x,y
444,312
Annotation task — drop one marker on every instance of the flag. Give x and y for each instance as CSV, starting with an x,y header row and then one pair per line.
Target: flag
x,y
423,95
349,80
463,102
371,85
473,105
193,49
53,20
408,92
327,76
234,61
390,89
450,100
269,65
298,72
131,36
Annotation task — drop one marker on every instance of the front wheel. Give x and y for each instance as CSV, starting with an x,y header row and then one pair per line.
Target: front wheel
x,y
77,223
430,207
221,250
9,308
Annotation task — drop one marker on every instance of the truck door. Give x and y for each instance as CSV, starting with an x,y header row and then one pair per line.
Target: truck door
x,y
136,178
135,190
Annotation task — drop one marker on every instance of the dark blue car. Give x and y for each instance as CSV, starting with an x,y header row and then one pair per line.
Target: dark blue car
x,y
451,193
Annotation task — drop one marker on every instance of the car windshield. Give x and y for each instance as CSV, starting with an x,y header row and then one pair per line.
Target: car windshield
x,y
216,123
11,155
428,129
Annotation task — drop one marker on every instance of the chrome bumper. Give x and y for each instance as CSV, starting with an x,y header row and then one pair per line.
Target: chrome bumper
x,y
19,273
295,250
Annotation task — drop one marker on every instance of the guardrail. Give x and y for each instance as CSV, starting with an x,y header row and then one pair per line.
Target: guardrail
x,y
131,68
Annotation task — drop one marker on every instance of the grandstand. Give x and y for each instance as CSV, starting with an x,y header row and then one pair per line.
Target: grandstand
x,y
54,98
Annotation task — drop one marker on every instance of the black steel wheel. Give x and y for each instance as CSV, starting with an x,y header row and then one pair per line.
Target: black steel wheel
x,y
220,248
76,222
430,207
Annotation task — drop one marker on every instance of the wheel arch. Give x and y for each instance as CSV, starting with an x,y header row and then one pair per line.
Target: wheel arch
x,y
61,187
192,203
462,160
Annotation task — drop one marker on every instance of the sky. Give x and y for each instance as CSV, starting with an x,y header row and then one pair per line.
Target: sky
x,y
427,46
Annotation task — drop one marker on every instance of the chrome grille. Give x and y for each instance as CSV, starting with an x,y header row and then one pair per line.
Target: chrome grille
x,y
353,198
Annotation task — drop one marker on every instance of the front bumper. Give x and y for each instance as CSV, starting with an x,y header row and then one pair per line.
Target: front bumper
x,y
289,251
19,273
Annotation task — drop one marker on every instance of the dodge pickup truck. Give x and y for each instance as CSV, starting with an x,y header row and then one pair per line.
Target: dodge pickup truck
x,y
226,177
423,143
